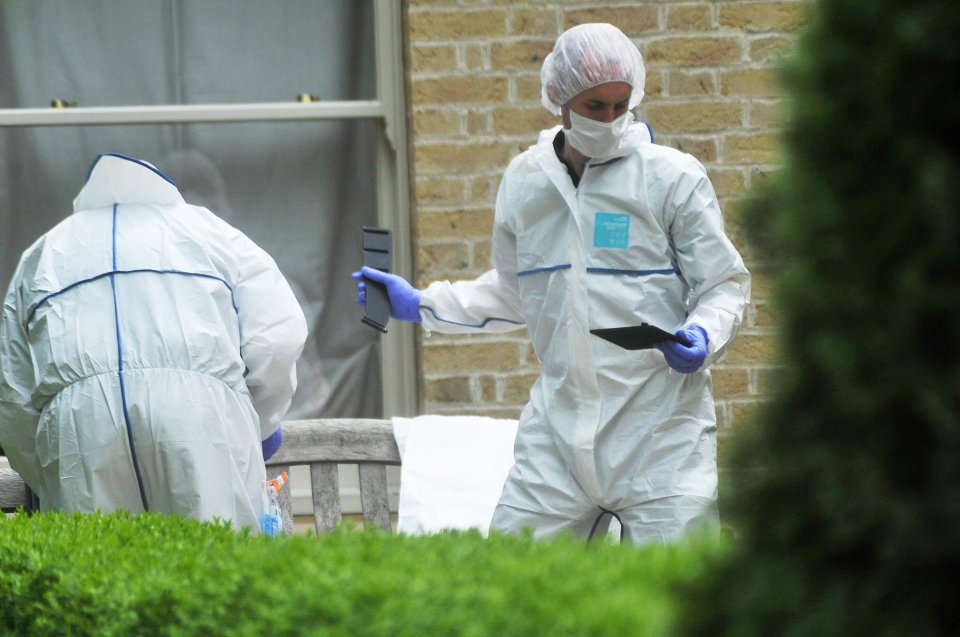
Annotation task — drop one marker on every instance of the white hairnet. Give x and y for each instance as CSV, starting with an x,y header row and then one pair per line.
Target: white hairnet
x,y
586,56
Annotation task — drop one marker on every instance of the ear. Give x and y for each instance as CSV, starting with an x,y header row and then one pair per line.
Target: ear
x,y
565,115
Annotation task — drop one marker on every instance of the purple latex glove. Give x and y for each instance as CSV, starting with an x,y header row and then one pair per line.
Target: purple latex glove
x,y
404,298
272,443
686,360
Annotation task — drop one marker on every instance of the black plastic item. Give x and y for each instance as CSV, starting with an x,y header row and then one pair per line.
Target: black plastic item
x,y
643,336
377,244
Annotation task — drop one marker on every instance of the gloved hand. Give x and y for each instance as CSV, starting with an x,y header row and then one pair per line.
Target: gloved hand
x,y
272,443
686,360
404,298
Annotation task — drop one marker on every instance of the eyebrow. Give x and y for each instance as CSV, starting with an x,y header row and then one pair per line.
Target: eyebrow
x,y
595,103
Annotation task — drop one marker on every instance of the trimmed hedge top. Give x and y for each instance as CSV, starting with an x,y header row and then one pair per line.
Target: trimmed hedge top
x,y
116,574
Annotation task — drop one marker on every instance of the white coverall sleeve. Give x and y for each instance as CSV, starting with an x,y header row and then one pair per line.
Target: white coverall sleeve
x,y
273,331
488,303
718,279
18,417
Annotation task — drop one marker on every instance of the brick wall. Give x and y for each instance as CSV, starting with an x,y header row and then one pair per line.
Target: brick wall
x,y
474,91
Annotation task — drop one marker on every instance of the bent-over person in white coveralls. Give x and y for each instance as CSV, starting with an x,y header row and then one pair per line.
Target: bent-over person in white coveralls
x,y
147,355
597,227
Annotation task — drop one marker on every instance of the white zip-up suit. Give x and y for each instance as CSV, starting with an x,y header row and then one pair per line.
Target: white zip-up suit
x,y
146,349
640,240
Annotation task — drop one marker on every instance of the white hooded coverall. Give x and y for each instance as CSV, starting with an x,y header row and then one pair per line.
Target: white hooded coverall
x,y
640,240
147,348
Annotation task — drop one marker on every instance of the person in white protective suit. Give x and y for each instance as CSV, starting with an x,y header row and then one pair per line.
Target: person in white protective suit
x,y
596,227
147,355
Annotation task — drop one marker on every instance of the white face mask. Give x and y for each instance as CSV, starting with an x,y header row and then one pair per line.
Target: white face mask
x,y
597,140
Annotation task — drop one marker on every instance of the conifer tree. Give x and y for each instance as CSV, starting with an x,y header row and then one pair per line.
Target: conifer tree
x,y
845,492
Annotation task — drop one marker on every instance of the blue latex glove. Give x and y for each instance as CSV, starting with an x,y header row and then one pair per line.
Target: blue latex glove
x,y
686,360
404,298
272,443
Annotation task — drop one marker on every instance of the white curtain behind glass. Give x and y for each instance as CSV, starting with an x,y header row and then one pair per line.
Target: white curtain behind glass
x,y
301,190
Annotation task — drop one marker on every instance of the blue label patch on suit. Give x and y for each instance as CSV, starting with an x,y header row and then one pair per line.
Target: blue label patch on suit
x,y
611,230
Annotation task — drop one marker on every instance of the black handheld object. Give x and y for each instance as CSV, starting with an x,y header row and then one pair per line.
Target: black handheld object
x,y
643,336
377,243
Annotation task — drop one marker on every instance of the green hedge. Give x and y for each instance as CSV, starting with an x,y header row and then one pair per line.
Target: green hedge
x,y
161,575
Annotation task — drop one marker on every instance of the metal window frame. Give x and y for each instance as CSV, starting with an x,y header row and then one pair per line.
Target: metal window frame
x,y
398,364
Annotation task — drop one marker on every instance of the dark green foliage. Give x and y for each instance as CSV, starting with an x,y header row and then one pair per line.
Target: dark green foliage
x,y
162,575
846,493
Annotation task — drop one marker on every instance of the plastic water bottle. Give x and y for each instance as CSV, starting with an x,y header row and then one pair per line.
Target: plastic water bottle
x,y
272,522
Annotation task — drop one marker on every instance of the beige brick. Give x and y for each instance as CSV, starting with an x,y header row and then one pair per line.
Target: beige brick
x,y
749,82
766,114
535,21
448,390
482,251
528,87
689,17
730,381
693,51
765,315
436,122
744,413
771,49
517,388
727,181
749,349
522,55
470,357
761,174
476,57
761,283
488,389
478,122
529,358
634,19
683,84
432,59
447,256
653,86
453,158
693,117
704,150
763,16
459,89
522,121
456,25
439,191
744,149
483,190
456,225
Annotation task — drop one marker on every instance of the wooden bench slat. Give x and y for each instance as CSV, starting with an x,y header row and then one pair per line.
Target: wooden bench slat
x,y
325,481
373,495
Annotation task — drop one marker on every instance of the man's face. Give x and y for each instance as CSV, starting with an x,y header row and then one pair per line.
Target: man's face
x,y
602,103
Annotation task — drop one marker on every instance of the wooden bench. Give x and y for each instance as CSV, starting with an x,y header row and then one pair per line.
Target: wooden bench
x,y
321,444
